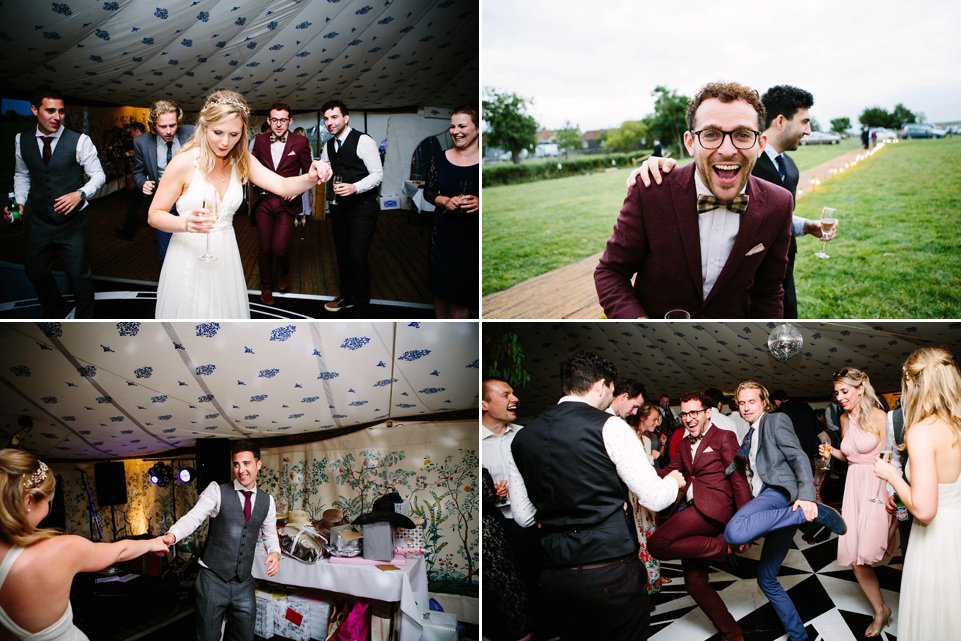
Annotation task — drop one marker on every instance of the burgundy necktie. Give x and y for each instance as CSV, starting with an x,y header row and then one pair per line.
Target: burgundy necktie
x,y
246,505
47,151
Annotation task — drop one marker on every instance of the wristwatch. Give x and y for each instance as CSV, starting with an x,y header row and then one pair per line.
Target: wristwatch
x,y
83,196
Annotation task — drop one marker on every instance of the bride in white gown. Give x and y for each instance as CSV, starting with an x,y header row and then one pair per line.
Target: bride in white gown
x,y
930,606
212,168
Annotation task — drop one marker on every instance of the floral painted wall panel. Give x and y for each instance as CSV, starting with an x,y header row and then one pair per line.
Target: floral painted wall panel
x,y
432,465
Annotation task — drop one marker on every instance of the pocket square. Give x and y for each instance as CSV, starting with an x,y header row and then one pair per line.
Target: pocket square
x,y
293,153
757,248
709,449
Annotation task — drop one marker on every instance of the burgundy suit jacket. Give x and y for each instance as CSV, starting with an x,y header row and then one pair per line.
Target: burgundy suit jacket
x,y
656,237
295,160
716,495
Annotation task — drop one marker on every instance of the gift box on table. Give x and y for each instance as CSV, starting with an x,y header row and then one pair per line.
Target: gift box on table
x,y
317,615
379,541
345,540
379,526
266,604
438,626
292,619
411,537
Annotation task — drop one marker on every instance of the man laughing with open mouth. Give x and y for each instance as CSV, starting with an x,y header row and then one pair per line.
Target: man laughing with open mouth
x,y
711,240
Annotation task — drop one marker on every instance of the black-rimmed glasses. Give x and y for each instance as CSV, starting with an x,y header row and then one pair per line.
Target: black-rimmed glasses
x,y
714,138
278,121
692,414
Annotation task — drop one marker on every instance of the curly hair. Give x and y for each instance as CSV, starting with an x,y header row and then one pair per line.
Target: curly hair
x,y
17,469
697,395
279,106
725,92
160,108
784,100
581,370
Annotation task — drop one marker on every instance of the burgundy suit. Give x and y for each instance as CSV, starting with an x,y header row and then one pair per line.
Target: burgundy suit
x,y
656,237
274,215
696,534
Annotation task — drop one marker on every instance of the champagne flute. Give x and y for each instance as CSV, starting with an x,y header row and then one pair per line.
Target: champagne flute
x,y
829,223
210,204
336,181
677,314
886,457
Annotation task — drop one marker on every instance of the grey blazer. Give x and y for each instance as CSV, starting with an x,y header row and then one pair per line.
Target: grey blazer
x,y
781,462
145,154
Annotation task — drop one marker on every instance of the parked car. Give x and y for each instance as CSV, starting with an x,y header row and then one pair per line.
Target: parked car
x,y
953,129
821,138
883,134
921,131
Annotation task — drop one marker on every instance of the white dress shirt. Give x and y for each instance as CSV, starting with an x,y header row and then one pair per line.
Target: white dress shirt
x,y
723,422
689,494
496,454
367,151
717,229
277,150
86,156
756,481
633,467
162,153
797,223
208,505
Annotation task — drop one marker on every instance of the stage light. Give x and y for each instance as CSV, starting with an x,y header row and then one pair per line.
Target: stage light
x,y
186,474
156,474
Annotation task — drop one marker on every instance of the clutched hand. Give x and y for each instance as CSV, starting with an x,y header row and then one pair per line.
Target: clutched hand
x,y
199,221
320,171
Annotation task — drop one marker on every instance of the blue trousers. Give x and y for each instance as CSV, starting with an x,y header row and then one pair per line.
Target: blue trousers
x,y
769,515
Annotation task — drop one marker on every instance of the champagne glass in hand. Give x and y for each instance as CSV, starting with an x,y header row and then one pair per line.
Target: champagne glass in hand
x,y
886,457
465,189
829,223
210,204
336,181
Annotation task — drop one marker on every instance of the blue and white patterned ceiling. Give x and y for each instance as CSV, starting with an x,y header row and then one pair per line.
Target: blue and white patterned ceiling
x,y
374,54
674,358
125,389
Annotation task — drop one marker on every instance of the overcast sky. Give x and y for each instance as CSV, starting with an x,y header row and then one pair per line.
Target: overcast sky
x,y
596,62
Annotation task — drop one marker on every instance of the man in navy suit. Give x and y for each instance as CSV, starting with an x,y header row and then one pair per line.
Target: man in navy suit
x,y
781,481
285,155
152,151
695,532
712,240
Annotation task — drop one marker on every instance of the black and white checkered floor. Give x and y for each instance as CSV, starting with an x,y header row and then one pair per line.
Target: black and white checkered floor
x,y
826,595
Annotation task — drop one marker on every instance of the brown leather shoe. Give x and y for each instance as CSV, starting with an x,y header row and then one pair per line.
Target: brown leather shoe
x,y
284,282
267,297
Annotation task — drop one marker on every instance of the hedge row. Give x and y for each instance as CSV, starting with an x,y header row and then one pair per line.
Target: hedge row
x,y
507,173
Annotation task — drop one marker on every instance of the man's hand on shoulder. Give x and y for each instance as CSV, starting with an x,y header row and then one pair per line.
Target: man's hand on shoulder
x,y
651,168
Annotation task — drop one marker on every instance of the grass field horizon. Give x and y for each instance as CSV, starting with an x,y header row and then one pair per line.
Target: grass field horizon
x,y
895,256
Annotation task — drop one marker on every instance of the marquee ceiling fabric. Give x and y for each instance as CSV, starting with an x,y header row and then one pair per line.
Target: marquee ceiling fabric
x,y
674,358
373,54
110,390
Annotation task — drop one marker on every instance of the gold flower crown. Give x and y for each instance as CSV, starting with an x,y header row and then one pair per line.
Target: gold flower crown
x,y
228,100
38,477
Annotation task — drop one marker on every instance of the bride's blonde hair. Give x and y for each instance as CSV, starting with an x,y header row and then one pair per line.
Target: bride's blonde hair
x,y
935,390
22,474
220,106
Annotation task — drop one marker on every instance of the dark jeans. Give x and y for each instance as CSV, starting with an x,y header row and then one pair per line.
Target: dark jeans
x,y
274,229
163,237
607,603
134,201
353,230
43,242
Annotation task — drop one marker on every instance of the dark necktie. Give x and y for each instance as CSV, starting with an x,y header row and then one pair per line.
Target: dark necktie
x,y
337,145
47,151
781,169
743,452
170,151
274,138
737,205
246,505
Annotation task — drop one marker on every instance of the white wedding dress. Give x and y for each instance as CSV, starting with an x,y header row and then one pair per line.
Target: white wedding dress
x,y
192,288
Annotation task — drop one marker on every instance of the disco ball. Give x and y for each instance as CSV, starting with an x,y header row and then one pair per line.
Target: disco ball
x,y
785,342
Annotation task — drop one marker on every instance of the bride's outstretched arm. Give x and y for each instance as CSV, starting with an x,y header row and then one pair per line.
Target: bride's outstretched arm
x,y
291,186
172,185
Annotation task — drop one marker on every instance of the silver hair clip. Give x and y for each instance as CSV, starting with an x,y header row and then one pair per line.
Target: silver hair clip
x,y
38,477
230,100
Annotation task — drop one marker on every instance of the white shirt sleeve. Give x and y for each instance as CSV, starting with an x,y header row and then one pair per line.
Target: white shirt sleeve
x,y
627,453
87,157
797,225
893,446
368,152
269,529
521,506
21,175
208,505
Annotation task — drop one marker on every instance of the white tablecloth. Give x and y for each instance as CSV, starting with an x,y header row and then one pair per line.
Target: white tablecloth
x,y
415,193
408,584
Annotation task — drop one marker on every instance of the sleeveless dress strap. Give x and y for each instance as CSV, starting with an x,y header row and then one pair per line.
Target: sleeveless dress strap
x,y
8,562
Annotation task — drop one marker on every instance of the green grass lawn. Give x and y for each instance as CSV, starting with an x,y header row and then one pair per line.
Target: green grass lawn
x,y
896,254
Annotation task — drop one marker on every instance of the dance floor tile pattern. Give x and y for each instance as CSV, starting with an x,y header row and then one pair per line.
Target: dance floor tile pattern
x,y
827,597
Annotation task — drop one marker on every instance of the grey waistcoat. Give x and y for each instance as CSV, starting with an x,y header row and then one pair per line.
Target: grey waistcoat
x,y
48,182
231,542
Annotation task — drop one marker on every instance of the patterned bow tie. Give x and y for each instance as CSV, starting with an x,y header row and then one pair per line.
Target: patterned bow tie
x,y
274,138
694,439
738,204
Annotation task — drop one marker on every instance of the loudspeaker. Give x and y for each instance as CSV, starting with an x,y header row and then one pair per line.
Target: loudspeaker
x,y
57,517
111,483
213,462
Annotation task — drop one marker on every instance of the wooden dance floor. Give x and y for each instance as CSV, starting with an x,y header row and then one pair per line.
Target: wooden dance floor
x,y
398,255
